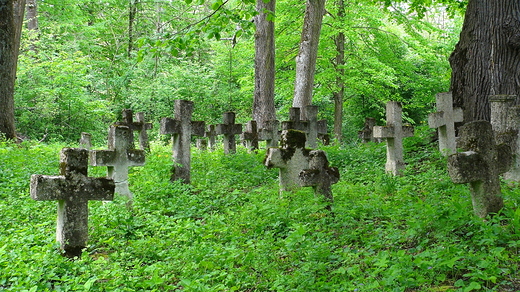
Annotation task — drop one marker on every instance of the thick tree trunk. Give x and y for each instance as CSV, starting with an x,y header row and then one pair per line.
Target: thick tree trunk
x,y
339,63
306,59
486,59
11,19
263,103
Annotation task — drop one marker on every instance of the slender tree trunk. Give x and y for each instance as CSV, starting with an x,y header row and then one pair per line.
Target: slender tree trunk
x,y
487,57
11,20
306,59
263,104
132,11
340,72
32,15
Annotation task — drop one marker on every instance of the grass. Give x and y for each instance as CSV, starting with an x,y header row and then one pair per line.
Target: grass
x,y
231,231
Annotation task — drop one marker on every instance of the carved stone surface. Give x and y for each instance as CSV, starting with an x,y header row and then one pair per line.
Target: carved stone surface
x,y
319,175
229,129
444,121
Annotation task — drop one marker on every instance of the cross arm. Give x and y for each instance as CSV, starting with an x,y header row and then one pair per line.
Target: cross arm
x,y
48,187
198,128
135,156
170,126
466,167
383,132
102,157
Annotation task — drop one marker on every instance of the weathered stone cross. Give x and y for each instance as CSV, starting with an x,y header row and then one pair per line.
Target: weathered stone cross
x,y
480,166
319,175
269,133
444,120
394,133
211,134
72,189
229,129
119,157
366,134
294,122
139,126
182,128
291,158
250,136
85,141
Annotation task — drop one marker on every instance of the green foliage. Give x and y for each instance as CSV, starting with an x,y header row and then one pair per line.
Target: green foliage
x,y
231,231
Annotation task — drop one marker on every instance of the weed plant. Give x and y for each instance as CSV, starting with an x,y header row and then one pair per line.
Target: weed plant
x,y
231,230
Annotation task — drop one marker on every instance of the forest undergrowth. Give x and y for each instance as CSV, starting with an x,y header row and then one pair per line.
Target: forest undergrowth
x,y
231,230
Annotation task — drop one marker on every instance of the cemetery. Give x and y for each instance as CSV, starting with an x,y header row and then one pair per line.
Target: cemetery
x,y
259,146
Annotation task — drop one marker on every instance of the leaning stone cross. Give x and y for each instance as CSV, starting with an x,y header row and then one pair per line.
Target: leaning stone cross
x,y
319,175
140,126
182,128
394,132
291,158
119,157
72,189
480,166
229,129
444,120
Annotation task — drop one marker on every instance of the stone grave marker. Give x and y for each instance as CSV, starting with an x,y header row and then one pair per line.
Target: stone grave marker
x,y
139,126
505,119
294,122
323,133
72,189
211,134
270,133
182,128
229,129
366,134
291,158
119,157
444,121
320,175
250,136
480,166
311,112
394,132
85,141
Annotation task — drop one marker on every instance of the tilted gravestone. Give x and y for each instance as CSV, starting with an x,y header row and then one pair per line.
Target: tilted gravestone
x,y
291,158
505,119
119,157
480,166
444,120
270,133
366,134
394,132
229,129
182,128
320,175
72,189
139,126
250,136
85,141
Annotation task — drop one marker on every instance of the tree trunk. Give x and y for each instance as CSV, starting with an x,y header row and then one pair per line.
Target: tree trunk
x,y
263,104
487,57
306,59
132,11
340,72
11,20
32,15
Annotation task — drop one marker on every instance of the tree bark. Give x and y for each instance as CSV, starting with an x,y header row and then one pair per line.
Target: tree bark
x,y
263,103
339,63
132,11
11,20
306,59
32,15
487,57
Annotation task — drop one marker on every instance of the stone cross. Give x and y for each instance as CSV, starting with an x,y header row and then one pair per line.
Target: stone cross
x,y
139,126
211,134
394,132
480,166
182,128
250,136
291,158
72,189
505,119
119,157
323,133
444,120
294,122
229,129
366,135
85,141
269,133
311,112
319,175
